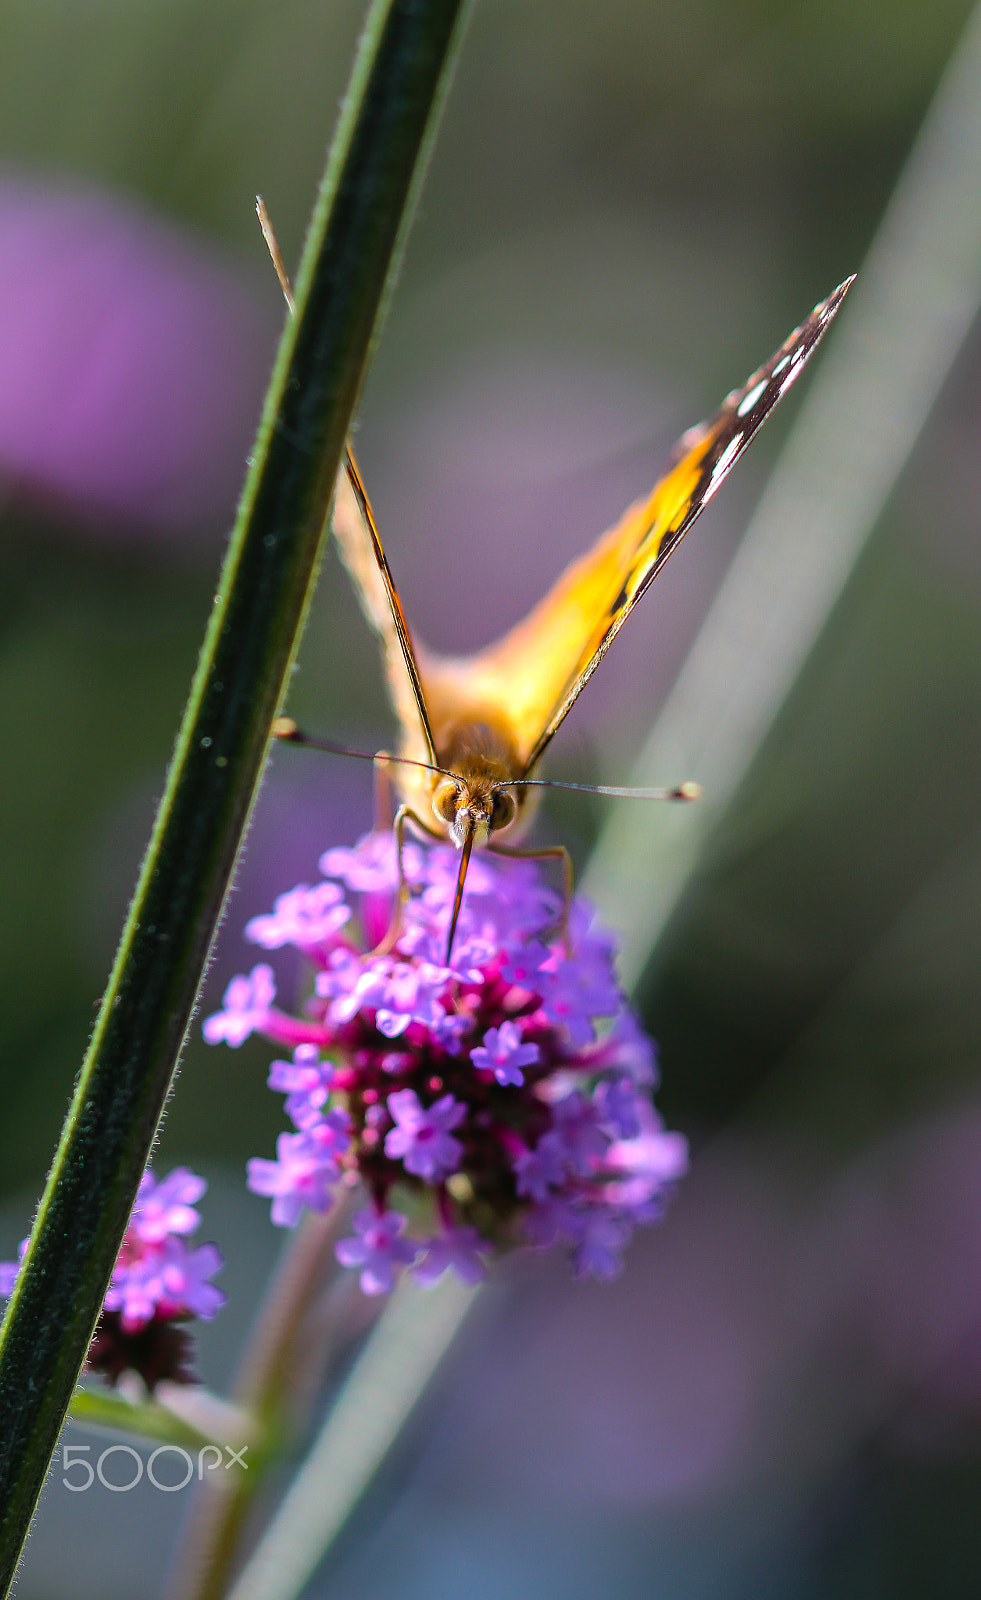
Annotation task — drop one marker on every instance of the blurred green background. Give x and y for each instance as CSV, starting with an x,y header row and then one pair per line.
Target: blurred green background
x,y
628,208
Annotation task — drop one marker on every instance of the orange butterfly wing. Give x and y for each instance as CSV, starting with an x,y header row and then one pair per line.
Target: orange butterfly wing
x,y
537,671
361,551
526,683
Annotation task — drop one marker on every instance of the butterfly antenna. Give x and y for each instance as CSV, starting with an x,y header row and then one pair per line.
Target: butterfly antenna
x,y
460,881
364,506
394,603
272,245
682,791
276,256
286,730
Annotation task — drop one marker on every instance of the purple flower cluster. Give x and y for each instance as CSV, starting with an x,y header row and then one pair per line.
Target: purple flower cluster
x,y
158,1280
505,1097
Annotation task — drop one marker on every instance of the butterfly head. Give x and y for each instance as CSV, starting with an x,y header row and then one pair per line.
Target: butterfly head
x,y
476,796
474,808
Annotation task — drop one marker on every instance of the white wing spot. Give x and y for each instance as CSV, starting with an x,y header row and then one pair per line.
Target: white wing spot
x,y
789,377
723,464
749,400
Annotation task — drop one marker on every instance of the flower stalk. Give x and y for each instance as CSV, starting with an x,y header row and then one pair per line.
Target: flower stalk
x,y
359,223
272,1372
392,1372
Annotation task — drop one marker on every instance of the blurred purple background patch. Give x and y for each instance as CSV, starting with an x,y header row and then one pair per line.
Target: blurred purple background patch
x,y
787,1315
133,360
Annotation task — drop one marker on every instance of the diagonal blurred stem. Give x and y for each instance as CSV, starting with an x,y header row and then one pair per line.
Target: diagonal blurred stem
x,y
358,227
925,952
398,1361
916,298
269,1370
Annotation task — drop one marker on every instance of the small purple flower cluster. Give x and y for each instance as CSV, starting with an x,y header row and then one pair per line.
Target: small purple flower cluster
x,y
157,1281
481,1090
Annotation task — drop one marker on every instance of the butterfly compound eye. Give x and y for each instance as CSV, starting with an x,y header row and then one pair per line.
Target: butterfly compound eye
x,y
446,801
503,810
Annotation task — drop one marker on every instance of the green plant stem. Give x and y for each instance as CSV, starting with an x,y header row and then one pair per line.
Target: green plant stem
x,y
148,1421
373,173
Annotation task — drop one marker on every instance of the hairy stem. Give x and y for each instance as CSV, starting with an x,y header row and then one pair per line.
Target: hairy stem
x,y
373,173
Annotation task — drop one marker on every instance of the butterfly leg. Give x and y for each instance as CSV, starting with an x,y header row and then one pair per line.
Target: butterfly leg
x,y
272,245
552,852
384,794
403,815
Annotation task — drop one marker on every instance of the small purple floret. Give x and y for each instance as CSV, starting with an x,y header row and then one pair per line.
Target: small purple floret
x,y
371,867
645,1169
602,1239
304,1173
422,1139
167,1206
169,1281
306,1081
307,918
184,1277
579,1127
619,1106
377,1249
10,1269
247,1004
461,1250
504,1054
539,1170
